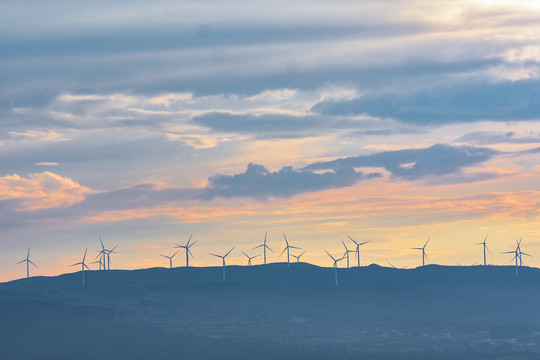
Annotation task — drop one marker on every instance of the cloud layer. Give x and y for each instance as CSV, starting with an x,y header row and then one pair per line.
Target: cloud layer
x,y
412,164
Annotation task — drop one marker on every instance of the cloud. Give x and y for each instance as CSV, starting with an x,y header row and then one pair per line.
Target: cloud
x,y
412,164
493,137
454,103
146,195
258,182
263,125
41,190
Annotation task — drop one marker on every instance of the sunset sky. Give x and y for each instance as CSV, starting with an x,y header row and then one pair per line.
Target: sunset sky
x,y
145,122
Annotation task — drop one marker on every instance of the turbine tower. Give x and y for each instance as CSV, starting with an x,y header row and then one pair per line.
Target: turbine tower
x,y
223,258
484,247
335,266
287,248
170,258
297,257
264,246
357,251
188,245
424,255
28,262
83,265
347,251
249,257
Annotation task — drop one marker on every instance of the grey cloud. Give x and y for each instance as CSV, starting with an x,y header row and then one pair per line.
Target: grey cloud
x,y
283,126
492,137
258,182
137,196
519,100
413,164
384,132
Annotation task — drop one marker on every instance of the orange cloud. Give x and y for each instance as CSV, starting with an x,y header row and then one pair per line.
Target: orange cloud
x,y
42,190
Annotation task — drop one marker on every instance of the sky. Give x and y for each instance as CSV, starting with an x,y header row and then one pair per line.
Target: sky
x,y
145,122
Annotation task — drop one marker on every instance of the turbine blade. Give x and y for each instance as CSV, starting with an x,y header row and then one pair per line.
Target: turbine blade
x,y
283,251
268,247
30,261
427,242
75,264
215,255
174,254
345,246
256,247
228,252
365,242
84,257
329,255
352,240
21,261
189,239
193,243
245,254
295,247
165,256
86,266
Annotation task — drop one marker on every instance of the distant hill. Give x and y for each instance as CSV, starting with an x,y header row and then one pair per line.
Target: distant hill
x,y
275,312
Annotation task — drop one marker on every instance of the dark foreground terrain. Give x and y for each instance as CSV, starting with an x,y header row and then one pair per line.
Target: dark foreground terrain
x,y
272,312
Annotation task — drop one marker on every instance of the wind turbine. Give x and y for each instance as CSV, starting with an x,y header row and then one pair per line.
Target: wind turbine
x,y
264,246
424,255
516,257
288,247
105,256
102,255
83,265
223,258
520,252
249,257
298,256
357,251
335,266
187,246
485,247
108,253
170,258
347,251
28,262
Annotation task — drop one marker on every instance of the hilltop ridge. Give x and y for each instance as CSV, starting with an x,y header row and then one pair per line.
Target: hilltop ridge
x,y
379,311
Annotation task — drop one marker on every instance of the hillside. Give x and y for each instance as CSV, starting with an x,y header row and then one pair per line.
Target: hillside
x,y
271,311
